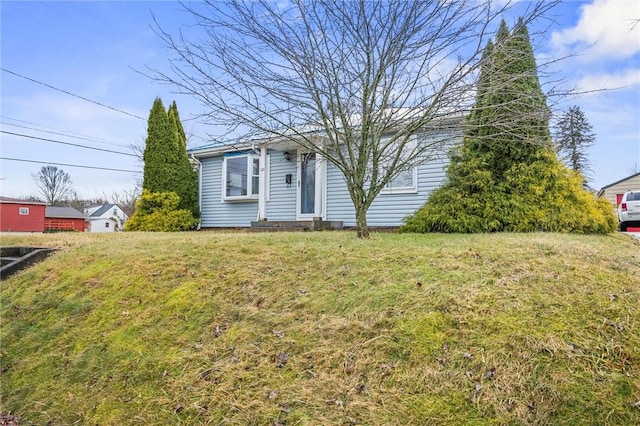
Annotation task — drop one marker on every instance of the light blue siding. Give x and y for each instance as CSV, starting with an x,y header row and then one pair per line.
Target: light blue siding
x,y
215,212
281,204
387,209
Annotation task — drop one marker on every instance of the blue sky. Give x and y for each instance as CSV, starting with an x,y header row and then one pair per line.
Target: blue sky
x,y
93,49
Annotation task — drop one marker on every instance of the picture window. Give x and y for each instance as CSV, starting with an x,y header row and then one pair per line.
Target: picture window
x,y
241,177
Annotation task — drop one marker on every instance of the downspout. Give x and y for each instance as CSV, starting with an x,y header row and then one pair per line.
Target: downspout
x,y
193,157
262,191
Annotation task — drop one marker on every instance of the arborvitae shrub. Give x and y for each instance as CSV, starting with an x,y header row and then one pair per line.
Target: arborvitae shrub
x,y
166,165
506,176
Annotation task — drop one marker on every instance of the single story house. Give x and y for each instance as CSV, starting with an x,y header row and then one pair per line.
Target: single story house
x,y
63,219
614,191
21,216
251,184
105,218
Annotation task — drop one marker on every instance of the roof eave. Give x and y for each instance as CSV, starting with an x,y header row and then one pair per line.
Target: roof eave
x,y
217,150
449,121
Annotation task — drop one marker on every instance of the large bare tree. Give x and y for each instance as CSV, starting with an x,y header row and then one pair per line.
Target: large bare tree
x,y
350,80
54,184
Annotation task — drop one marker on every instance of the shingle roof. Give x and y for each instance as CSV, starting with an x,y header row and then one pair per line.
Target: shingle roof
x,y
63,212
102,210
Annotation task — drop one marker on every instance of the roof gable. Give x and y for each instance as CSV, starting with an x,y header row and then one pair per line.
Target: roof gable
x,y
102,210
620,181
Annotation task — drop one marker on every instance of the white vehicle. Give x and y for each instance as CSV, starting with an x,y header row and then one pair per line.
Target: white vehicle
x,y
629,210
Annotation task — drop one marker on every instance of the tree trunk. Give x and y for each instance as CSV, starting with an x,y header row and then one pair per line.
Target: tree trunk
x,y
362,228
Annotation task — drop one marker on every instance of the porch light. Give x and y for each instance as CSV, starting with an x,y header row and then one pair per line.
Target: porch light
x,y
287,156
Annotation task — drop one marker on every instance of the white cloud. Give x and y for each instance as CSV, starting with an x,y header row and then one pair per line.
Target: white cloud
x,y
606,28
622,79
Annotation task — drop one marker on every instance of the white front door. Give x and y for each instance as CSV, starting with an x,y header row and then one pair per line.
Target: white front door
x,y
306,193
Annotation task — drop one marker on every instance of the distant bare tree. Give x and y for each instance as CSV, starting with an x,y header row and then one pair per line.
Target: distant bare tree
x,y
79,203
76,201
353,81
54,184
126,199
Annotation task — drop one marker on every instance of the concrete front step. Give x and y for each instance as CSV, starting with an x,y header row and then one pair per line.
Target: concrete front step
x,y
295,225
279,229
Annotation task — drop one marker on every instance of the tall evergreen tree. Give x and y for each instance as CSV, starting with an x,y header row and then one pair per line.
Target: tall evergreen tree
x,y
509,122
186,184
475,116
506,176
160,154
182,136
573,135
166,165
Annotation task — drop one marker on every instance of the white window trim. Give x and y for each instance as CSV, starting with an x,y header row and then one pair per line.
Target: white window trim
x,y
413,189
249,197
267,177
24,211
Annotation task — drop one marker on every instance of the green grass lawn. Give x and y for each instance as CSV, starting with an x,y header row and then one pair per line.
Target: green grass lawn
x,y
322,328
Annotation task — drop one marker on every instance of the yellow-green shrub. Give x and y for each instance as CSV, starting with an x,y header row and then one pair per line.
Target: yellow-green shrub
x,y
543,195
158,211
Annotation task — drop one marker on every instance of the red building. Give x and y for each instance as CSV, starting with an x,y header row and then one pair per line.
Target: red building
x,y
63,219
21,216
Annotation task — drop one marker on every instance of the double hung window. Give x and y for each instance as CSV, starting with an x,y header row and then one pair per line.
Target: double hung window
x,y
406,180
241,176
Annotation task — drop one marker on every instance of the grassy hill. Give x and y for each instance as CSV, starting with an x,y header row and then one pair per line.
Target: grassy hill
x,y
321,328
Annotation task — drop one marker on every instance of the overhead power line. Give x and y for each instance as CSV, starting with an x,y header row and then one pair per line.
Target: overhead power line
x,y
67,143
72,94
69,135
69,165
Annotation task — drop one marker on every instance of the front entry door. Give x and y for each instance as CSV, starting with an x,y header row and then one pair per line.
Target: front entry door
x,y
306,185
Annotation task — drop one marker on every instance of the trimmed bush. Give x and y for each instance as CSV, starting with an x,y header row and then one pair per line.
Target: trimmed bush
x,y
158,212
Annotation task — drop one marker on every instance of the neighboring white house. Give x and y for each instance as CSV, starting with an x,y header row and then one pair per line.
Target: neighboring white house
x,y
105,218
